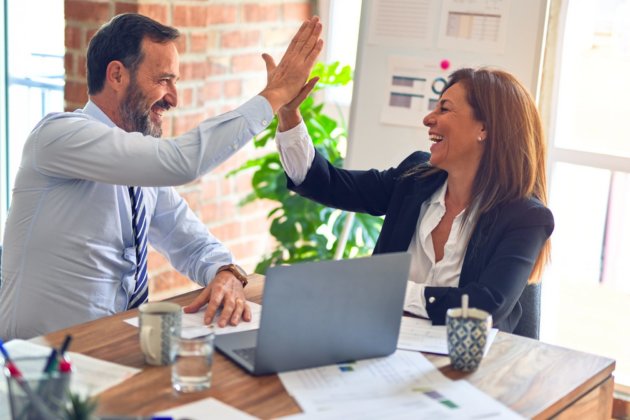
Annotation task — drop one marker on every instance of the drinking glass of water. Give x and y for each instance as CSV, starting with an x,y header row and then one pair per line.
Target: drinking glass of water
x,y
192,367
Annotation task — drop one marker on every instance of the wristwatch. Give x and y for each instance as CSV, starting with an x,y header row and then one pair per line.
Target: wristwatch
x,y
238,272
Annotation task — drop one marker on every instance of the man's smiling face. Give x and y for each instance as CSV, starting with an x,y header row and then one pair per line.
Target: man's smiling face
x,y
152,89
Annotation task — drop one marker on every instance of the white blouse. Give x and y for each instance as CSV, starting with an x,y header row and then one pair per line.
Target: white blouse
x,y
297,154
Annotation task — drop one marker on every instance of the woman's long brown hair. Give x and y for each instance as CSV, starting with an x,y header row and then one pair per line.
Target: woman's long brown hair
x,y
513,163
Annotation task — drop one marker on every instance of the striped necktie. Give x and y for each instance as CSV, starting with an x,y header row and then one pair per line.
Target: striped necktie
x,y
138,222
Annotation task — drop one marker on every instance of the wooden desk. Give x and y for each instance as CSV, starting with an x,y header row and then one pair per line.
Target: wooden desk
x,y
535,379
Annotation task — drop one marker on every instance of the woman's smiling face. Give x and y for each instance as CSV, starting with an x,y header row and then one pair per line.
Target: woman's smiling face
x,y
456,135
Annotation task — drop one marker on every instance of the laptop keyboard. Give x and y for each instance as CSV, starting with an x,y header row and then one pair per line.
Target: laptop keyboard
x,y
247,354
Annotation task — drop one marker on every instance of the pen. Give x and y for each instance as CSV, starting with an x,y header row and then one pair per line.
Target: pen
x,y
4,351
65,345
51,362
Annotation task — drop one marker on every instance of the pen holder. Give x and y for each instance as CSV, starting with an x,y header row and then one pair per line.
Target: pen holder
x,y
37,395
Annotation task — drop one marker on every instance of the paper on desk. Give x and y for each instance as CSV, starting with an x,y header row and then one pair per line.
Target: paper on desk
x,y
193,325
447,400
418,334
90,376
318,389
204,409
403,385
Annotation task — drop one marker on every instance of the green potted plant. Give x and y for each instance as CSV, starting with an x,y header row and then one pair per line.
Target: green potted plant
x,y
304,230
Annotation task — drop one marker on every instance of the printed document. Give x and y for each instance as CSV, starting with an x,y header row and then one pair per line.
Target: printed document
x,y
403,385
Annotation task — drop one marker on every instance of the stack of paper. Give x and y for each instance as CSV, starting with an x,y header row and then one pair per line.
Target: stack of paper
x,y
403,385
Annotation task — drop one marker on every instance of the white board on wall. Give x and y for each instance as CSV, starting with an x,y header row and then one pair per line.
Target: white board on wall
x,y
407,49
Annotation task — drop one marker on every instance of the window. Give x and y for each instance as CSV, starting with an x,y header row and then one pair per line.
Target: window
x,y
35,77
4,185
586,290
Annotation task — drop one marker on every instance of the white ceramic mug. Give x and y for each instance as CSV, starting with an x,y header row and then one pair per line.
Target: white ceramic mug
x,y
159,321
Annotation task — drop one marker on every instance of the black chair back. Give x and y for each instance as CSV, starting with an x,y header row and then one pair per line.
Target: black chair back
x,y
529,325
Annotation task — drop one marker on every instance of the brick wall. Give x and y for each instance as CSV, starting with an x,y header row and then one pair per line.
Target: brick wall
x,y
220,69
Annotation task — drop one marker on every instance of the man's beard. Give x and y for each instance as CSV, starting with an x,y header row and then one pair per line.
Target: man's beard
x,y
135,114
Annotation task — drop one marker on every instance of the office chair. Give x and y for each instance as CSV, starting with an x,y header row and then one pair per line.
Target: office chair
x,y
529,324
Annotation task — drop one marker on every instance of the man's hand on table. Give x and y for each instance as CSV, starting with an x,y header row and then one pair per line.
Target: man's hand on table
x,y
225,291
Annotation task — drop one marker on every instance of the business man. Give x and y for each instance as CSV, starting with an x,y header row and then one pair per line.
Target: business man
x,y
95,185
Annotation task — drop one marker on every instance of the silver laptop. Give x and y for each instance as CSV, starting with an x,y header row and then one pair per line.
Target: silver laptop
x,y
320,313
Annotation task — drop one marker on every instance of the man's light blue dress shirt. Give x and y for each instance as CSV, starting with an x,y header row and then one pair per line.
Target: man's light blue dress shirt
x,y
69,253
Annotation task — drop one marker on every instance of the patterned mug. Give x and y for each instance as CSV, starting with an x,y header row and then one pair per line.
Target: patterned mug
x,y
467,337
159,321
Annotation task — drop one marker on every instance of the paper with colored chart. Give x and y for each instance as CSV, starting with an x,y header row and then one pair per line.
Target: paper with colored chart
x,y
403,385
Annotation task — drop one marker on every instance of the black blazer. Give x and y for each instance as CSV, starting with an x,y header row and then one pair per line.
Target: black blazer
x,y
503,246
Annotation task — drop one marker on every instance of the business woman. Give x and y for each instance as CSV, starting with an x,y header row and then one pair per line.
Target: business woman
x,y
472,212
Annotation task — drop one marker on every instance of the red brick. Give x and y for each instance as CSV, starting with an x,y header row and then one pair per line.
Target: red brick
x,y
296,11
193,70
210,213
240,39
167,280
225,185
243,182
247,62
122,7
189,16
89,34
167,126
180,44
183,123
158,12
212,90
69,64
226,108
193,198
209,190
261,13
221,14
75,92
227,231
73,38
88,11
217,67
156,261
198,42
278,37
256,227
232,88
81,69
243,250
185,97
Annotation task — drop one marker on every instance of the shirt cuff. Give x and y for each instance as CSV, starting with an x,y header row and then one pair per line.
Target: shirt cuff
x,y
258,112
292,135
296,152
414,299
